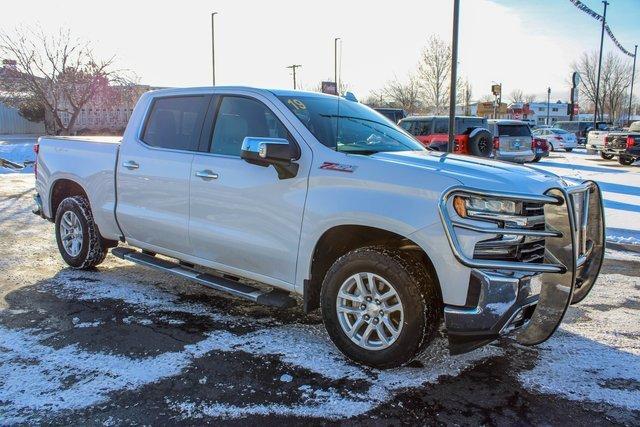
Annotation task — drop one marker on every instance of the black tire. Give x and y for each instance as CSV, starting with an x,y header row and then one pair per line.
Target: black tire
x,y
418,294
568,150
625,160
606,156
93,248
480,144
551,148
536,159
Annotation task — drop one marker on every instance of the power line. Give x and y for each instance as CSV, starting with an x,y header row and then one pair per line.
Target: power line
x,y
293,68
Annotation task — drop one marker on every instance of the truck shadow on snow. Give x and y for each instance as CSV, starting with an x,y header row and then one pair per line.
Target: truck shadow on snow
x,y
126,344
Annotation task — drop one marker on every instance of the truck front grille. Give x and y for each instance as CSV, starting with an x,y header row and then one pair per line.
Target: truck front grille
x,y
529,249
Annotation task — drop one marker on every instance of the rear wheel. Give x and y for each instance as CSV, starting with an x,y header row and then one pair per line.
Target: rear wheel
x,y
625,160
536,159
380,307
480,144
606,156
79,241
568,150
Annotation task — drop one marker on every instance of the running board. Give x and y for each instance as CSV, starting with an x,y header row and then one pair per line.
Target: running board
x,y
274,298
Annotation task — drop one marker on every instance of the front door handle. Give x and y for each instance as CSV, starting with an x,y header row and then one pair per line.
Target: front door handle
x,y
207,175
131,165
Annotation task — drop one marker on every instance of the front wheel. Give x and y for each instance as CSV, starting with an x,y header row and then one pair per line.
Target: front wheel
x,y
79,241
625,160
380,307
606,156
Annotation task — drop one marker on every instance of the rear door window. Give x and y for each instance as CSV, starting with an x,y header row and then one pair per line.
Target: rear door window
x,y
423,127
467,124
176,122
441,126
514,130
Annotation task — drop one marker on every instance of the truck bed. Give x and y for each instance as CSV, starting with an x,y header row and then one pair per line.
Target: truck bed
x,y
88,161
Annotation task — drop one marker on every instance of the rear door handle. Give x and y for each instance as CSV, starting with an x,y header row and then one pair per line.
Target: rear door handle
x,y
207,175
131,165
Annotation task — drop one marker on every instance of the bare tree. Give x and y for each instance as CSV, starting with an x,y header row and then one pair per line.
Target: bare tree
x,y
614,83
56,71
516,95
405,95
487,98
434,74
529,98
467,94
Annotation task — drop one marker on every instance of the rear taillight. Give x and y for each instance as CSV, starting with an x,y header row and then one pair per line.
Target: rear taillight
x,y
496,143
630,141
36,149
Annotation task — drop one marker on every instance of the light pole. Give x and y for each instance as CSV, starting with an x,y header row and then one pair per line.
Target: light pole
x,y
454,77
548,103
604,19
293,67
633,76
335,64
213,47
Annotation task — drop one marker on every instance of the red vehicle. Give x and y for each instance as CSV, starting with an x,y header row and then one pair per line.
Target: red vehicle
x,y
540,147
471,133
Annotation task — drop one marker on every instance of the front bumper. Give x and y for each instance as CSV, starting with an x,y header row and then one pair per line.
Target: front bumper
x,y
527,301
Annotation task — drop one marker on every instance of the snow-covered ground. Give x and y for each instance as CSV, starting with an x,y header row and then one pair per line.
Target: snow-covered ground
x,y
125,344
620,185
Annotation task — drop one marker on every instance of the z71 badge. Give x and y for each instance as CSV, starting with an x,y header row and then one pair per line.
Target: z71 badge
x,y
338,167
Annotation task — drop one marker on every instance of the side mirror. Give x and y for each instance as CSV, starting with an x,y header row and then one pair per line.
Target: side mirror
x,y
271,151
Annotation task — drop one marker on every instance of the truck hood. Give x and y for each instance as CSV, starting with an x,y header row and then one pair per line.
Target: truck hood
x,y
477,172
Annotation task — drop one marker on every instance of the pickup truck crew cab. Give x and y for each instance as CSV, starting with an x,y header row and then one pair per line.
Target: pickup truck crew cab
x,y
246,190
624,144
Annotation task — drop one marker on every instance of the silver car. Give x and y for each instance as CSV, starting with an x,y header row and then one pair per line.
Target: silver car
x,y
511,140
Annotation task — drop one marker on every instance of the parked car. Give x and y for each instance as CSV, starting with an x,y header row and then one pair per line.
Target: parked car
x,y
540,148
393,114
624,144
557,138
471,134
245,190
511,140
595,143
580,128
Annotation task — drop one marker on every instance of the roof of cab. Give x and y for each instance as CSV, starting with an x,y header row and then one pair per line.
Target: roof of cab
x,y
214,89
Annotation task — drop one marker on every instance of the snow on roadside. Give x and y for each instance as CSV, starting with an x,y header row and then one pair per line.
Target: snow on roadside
x,y
595,355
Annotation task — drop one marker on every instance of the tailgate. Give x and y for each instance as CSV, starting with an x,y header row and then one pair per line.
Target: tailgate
x,y
514,137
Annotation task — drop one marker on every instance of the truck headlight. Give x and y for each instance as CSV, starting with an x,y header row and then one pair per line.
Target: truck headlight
x,y
469,206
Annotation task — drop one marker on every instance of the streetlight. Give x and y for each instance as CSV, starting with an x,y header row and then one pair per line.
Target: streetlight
x,y
548,102
454,77
213,47
604,19
335,64
633,76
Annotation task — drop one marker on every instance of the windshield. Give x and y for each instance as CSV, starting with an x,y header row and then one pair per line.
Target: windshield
x,y
559,131
349,126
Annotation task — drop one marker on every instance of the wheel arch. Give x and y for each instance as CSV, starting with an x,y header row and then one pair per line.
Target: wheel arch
x,y
63,188
341,239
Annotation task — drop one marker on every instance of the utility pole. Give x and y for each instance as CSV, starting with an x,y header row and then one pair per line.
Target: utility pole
x,y
293,67
335,64
604,19
633,76
213,47
548,103
454,77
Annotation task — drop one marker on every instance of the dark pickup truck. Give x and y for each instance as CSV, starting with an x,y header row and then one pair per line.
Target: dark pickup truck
x,y
624,144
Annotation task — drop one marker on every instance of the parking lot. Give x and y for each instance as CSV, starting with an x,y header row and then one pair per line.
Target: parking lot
x,y
124,344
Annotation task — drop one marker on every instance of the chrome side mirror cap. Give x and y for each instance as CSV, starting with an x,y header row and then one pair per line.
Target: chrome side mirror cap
x,y
278,152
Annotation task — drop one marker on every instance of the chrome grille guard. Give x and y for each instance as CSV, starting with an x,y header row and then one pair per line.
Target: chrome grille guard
x,y
574,249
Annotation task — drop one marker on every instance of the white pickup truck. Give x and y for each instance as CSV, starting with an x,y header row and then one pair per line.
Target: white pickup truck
x,y
266,194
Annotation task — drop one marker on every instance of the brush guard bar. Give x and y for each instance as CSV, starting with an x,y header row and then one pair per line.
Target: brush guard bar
x,y
574,251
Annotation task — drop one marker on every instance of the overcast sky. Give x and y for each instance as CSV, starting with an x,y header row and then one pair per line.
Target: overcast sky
x,y
523,44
